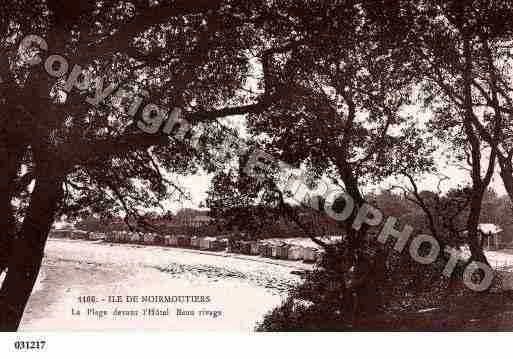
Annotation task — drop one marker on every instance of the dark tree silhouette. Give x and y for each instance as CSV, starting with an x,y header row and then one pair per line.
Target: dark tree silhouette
x,y
322,84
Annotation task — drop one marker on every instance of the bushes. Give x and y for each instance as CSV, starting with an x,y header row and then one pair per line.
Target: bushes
x,y
320,303
316,305
293,316
394,285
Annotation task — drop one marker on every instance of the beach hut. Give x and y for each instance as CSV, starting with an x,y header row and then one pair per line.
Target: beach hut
x,y
295,253
279,250
158,239
141,237
265,249
110,237
255,248
489,235
269,250
223,243
196,242
174,241
183,241
134,237
282,251
217,244
261,248
204,243
146,238
170,240
245,247
234,246
154,238
96,236
276,249
61,233
77,234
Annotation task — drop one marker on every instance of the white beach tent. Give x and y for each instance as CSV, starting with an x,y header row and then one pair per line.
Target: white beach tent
x,y
490,235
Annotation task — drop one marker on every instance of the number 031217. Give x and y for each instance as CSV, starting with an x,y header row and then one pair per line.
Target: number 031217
x,y
29,344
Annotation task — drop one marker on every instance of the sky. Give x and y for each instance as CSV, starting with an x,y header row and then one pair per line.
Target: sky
x,y
198,185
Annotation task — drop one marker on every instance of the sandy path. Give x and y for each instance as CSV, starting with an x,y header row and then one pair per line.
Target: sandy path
x,y
241,288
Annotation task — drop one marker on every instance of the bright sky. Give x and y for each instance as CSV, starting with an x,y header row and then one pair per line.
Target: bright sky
x,y
197,185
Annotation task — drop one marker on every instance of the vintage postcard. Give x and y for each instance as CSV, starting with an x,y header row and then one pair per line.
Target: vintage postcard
x,y
255,166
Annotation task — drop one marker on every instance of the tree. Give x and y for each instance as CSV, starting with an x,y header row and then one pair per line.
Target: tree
x,y
238,209
340,117
443,214
456,49
341,114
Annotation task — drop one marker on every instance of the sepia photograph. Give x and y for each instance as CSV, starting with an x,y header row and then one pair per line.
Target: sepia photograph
x,y
256,166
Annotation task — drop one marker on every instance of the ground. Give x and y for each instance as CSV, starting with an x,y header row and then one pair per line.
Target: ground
x,y
461,310
242,287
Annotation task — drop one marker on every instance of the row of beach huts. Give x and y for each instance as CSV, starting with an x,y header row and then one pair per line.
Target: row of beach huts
x,y
269,248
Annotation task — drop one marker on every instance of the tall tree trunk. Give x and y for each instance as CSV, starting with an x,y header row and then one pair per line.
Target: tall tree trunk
x,y
507,174
368,294
27,252
5,199
12,150
475,245
354,237
479,184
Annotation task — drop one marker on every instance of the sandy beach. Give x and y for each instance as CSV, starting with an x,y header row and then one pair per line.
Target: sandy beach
x,y
241,289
